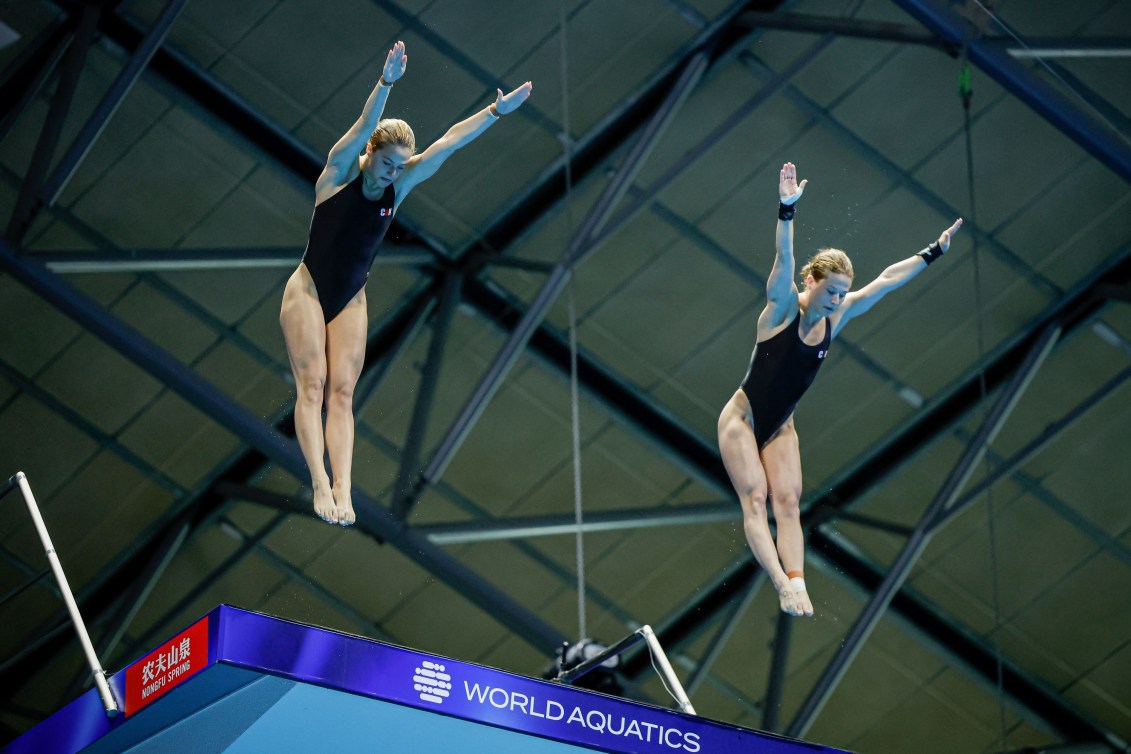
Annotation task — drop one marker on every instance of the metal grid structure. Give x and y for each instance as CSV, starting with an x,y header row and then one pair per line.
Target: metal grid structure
x,y
157,161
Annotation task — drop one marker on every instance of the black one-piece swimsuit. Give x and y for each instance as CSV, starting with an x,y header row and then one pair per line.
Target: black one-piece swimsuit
x,y
346,232
781,369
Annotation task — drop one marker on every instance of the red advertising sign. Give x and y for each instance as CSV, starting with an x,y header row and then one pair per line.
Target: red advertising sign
x,y
166,667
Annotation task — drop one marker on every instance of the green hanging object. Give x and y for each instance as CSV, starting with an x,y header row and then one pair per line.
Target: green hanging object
x,y
965,88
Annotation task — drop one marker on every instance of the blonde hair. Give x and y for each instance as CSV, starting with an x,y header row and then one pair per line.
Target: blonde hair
x,y
826,262
393,131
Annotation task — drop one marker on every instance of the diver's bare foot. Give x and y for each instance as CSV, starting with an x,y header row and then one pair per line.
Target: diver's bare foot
x,y
788,601
803,601
324,504
795,602
797,583
343,502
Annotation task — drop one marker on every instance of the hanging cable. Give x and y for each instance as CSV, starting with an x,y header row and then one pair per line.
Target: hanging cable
x,y
575,418
576,432
966,93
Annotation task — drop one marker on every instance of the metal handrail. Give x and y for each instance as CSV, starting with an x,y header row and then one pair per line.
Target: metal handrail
x,y
108,701
646,634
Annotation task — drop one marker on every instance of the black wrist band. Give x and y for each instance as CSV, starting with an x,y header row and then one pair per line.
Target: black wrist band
x,y
785,211
931,253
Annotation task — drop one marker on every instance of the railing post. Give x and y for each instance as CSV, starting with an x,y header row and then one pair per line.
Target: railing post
x,y
99,674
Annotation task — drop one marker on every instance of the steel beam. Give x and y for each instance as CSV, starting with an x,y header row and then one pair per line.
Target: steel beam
x,y
23,586
1075,46
7,486
730,624
672,438
231,109
51,640
1090,52
180,260
1030,696
27,74
1007,466
41,648
711,140
540,307
905,177
887,31
402,330
118,621
687,448
102,593
1072,312
52,129
743,271
28,571
683,626
874,523
134,601
775,684
408,486
296,575
1116,292
208,91
1071,308
106,441
200,86
536,555
841,26
1071,514
461,60
1090,96
466,532
203,585
481,259
917,542
373,518
1097,139
259,496
109,104
23,68
590,152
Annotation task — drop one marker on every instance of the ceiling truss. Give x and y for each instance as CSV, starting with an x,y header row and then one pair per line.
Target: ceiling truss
x,y
450,277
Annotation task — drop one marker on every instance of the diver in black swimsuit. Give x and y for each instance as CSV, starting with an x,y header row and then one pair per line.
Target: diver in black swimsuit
x,y
323,316
756,434
781,370
346,232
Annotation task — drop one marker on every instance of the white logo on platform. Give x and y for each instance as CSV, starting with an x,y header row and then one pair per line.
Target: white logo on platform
x,y
432,682
597,720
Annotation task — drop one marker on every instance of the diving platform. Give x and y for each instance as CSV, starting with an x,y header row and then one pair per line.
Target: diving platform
x,y
240,681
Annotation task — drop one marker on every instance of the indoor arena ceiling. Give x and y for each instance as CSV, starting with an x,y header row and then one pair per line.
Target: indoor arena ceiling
x,y
154,208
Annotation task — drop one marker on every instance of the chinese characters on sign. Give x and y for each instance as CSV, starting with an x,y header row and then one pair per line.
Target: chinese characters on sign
x,y
175,662
167,666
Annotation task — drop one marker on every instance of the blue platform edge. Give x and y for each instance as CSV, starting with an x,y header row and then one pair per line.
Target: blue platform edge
x,y
245,645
